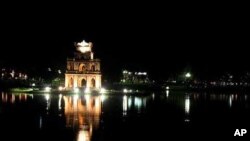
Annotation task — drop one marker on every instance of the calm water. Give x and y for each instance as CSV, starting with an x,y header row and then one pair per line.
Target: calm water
x,y
157,116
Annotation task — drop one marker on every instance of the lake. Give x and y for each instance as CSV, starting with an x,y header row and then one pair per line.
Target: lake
x,y
115,117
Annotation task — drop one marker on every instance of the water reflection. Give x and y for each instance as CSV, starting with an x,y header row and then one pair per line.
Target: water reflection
x,y
187,104
47,98
167,93
187,108
60,102
12,98
82,113
230,100
125,105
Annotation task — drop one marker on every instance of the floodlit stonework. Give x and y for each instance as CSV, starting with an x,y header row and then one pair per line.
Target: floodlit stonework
x,y
83,71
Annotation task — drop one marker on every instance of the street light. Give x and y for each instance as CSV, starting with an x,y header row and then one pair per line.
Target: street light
x,y
187,75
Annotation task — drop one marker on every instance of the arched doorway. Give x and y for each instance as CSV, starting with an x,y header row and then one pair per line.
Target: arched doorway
x,y
83,83
81,68
93,83
71,82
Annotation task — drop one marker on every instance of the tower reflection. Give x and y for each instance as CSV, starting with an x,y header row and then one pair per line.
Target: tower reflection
x,y
83,114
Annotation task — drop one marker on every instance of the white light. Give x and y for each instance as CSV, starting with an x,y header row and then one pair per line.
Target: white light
x,y
33,84
167,93
125,90
138,102
125,104
60,88
47,89
230,100
75,97
188,75
59,71
103,90
83,44
87,98
84,47
59,101
145,73
129,102
124,71
47,96
87,90
187,105
76,90
130,91
103,97
167,87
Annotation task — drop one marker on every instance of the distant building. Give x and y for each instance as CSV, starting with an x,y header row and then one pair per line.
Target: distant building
x,y
83,70
134,77
11,74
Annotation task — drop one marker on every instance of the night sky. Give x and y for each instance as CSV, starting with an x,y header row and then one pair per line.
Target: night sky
x,y
153,38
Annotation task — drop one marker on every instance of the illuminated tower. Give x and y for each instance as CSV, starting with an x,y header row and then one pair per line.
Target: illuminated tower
x,y
83,71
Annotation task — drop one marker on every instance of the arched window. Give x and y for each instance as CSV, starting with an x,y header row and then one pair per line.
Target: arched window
x,y
71,82
83,83
93,67
82,68
93,82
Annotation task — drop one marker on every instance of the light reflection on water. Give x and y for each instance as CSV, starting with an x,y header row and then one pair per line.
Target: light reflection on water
x,y
83,113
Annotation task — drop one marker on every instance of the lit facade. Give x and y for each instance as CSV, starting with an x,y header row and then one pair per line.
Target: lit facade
x,y
83,71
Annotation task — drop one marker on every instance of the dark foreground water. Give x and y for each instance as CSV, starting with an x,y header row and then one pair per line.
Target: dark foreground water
x,y
157,116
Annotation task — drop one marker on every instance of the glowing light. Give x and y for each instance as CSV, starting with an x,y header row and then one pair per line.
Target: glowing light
x,y
125,104
167,93
59,71
125,90
47,89
167,87
103,90
47,97
12,98
75,97
60,88
87,90
83,136
138,102
76,90
188,75
33,85
40,122
83,44
153,96
59,101
129,102
84,47
124,71
103,97
187,105
230,100
130,91
87,98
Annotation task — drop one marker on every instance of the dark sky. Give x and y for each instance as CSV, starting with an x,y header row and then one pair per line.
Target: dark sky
x,y
148,37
